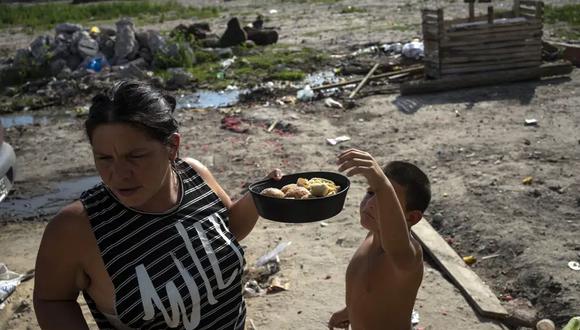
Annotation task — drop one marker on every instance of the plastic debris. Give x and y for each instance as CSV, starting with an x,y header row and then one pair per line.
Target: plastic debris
x,y
506,297
368,50
394,48
9,280
227,63
94,30
470,260
574,265
531,122
276,286
273,11
252,289
414,50
415,318
545,324
528,180
305,94
329,102
573,324
272,255
337,140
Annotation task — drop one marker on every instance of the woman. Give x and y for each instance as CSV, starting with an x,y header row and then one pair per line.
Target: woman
x,y
155,245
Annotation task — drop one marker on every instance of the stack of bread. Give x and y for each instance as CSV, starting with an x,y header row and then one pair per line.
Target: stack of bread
x,y
303,189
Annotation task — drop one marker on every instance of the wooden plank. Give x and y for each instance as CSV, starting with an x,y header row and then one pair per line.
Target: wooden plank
x,y
516,8
485,79
528,3
490,15
486,52
489,40
492,58
475,290
518,32
494,47
412,69
495,27
364,81
527,11
489,68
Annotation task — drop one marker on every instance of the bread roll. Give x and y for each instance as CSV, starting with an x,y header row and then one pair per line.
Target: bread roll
x,y
273,192
298,193
288,187
319,189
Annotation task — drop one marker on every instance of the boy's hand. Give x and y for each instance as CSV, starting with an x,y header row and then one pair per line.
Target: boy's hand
x,y
355,161
339,320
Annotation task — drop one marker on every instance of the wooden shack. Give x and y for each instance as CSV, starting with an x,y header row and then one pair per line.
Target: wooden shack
x,y
483,43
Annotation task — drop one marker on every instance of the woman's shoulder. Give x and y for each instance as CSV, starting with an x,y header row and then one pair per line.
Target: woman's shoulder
x,y
70,223
196,165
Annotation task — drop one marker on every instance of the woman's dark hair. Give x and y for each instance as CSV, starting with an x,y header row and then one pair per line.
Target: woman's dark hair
x,y
137,104
416,184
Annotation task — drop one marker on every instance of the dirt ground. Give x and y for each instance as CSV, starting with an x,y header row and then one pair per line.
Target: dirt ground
x,y
472,143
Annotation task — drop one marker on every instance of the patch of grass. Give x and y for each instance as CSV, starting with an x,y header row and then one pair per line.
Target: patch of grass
x,y
568,14
311,1
352,9
254,66
288,75
46,15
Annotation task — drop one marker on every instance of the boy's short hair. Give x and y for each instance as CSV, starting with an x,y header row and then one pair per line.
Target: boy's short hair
x,y
415,182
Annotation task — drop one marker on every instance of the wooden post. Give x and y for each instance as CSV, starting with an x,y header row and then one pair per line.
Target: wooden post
x,y
516,8
540,11
490,14
471,11
441,32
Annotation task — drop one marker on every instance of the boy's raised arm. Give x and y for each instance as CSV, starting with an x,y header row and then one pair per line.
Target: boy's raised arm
x,y
393,231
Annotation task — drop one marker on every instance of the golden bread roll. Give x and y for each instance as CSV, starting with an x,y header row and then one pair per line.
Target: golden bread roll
x,y
273,192
303,183
298,193
288,186
319,189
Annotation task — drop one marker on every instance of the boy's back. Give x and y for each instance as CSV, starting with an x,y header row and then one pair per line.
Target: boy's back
x,y
384,274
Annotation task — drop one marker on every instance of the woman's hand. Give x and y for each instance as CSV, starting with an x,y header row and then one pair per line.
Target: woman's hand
x,y
355,162
339,320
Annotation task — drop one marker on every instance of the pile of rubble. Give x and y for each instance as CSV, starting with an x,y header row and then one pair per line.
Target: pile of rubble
x,y
76,51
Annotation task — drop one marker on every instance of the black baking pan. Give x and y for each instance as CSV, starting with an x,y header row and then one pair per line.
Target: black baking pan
x,y
299,210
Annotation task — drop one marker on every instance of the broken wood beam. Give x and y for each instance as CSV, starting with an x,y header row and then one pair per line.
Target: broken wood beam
x,y
473,288
364,81
485,78
414,69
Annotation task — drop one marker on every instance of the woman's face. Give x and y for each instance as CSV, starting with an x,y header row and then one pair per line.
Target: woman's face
x,y
134,166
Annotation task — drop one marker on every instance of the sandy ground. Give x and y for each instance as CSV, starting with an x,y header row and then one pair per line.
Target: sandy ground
x,y
472,143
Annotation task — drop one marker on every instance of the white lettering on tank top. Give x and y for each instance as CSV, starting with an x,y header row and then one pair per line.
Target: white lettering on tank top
x,y
151,299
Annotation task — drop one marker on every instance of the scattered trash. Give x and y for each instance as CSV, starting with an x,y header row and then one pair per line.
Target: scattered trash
x,y
528,180
470,260
209,99
329,102
573,324
368,50
273,11
227,63
531,122
252,289
305,94
415,318
276,286
323,224
273,125
574,265
490,256
506,297
414,50
545,324
392,49
272,255
234,124
9,280
96,64
337,140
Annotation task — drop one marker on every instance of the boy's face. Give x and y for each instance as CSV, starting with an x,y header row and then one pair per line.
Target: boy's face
x,y
369,211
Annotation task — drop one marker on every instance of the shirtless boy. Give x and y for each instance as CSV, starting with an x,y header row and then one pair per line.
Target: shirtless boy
x,y
385,273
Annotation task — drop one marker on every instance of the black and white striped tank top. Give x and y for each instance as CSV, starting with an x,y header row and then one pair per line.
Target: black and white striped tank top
x,y
181,269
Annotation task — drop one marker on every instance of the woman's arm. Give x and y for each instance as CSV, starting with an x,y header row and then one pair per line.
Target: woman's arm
x,y
58,273
243,213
